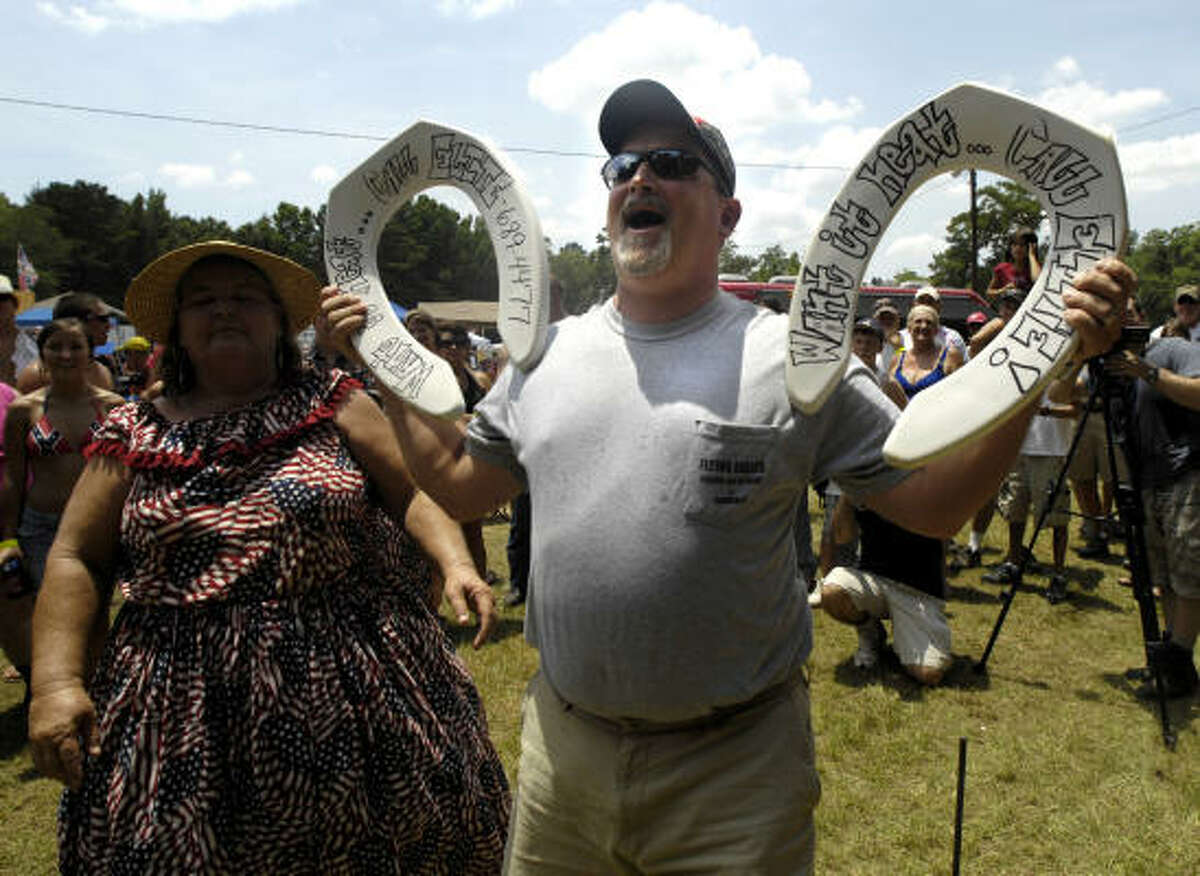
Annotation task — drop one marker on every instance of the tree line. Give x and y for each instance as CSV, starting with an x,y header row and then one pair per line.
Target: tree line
x,y
82,237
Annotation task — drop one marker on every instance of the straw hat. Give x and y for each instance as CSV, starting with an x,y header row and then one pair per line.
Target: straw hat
x,y
150,301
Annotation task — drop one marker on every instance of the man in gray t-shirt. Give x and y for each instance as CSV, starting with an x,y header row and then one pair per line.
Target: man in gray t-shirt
x,y
1166,416
669,721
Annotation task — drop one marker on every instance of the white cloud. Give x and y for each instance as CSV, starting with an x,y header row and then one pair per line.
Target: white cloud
x,y
239,179
754,98
917,248
78,17
717,70
93,16
785,204
1148,166
237,156
189,175
1069,93
1092,105
474,9
323,174
1065,69
1157,165
720,72
194,176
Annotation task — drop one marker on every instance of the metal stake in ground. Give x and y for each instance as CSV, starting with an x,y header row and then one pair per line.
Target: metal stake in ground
x,y
958,806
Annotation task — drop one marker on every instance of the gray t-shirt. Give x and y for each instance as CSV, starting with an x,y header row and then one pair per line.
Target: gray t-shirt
x,y
1168,432
664,463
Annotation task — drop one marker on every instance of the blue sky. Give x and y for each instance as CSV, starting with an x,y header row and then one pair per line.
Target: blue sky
x,y
790,83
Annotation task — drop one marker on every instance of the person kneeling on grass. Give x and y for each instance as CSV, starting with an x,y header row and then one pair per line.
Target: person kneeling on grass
x,y
899,575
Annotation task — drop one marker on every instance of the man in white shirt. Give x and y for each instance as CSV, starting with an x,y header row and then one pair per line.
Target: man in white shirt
x,y
668,724
1027,487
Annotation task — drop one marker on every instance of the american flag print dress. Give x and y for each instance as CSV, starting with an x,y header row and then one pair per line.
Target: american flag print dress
x,y
275,696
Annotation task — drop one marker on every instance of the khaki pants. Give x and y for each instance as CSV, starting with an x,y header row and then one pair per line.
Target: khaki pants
x,y
591,798
919,626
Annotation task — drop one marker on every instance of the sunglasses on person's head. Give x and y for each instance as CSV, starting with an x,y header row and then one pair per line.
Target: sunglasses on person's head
x,y
666,164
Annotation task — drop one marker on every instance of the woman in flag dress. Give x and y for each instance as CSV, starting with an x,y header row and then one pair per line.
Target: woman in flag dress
x,y
274,696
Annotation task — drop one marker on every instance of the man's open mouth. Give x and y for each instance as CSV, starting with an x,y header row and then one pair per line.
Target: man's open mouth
x,y
643,216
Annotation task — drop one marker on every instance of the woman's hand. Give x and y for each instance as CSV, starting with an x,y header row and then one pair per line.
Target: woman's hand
x,y
341,317
467,592
58,720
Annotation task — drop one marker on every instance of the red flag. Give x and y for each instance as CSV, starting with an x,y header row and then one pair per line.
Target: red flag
x,y
26,276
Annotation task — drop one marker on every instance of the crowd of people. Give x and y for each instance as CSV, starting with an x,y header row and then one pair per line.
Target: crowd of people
x,y
275,693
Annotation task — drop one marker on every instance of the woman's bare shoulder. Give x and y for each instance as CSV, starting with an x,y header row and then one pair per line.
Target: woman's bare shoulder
x,y
22,407
29,400
108,400
31,378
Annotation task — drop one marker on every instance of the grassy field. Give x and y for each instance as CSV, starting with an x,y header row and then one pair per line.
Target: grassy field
x,y
1066,769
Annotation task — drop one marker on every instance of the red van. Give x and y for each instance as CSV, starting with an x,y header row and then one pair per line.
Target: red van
x,y
957,304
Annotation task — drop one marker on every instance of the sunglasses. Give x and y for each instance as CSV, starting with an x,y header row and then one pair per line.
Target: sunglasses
x,y
1185,299
666,164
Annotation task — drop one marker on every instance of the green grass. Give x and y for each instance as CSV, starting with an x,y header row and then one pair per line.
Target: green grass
x,y
1066,770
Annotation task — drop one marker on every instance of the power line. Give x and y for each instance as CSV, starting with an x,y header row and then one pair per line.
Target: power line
x,y
346,135
162,117
349,135
1166,118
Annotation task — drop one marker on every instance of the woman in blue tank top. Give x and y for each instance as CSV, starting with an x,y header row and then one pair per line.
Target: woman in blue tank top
x,y
924,363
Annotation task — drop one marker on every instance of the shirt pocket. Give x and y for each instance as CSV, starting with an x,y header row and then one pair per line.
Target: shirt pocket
x,y
727,471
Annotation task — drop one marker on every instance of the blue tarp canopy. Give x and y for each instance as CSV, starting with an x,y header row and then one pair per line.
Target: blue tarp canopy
x,y
43,311
35,316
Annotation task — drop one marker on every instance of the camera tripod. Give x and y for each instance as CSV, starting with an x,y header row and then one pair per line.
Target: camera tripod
x,y
1120,431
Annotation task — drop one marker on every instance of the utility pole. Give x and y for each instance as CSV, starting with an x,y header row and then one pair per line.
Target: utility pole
x,y
974,235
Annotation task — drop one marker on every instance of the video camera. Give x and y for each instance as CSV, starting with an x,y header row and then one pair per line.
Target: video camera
x,y
1134,338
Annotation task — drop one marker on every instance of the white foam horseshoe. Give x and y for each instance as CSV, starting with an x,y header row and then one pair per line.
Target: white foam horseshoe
x,y
423,156
1074,173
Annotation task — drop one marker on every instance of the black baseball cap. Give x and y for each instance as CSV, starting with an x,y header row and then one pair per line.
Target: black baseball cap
x,y
644,101
869,325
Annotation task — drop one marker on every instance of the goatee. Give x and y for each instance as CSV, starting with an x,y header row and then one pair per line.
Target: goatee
x,y
641,258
